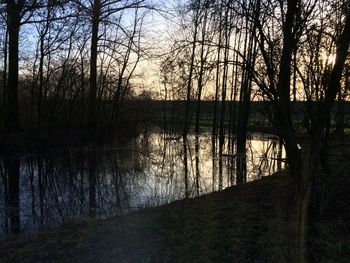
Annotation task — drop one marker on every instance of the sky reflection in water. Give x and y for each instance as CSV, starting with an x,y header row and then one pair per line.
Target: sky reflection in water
x,y
43,191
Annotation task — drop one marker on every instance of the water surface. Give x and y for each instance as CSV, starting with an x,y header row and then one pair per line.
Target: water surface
x,y
54,187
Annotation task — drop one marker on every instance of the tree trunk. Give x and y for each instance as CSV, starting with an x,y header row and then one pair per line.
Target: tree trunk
x,y
217,78
12,116
201,75
189,83
5,76
242,122
92,119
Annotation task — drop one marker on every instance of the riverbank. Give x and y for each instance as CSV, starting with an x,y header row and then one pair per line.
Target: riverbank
x,y
249,223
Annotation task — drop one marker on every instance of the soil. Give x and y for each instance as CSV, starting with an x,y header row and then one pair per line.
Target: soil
x,y
254,222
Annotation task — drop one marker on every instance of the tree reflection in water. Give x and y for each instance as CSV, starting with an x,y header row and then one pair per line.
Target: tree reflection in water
x,y
46,190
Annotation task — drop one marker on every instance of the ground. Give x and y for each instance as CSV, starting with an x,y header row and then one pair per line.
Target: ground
x,y
249,223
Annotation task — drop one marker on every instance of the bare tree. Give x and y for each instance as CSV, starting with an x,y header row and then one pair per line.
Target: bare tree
x,y
100,11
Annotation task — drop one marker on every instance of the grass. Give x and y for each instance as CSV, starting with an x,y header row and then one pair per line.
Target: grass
x,y
248,223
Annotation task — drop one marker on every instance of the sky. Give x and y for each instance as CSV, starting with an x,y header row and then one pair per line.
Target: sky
x,y
157,30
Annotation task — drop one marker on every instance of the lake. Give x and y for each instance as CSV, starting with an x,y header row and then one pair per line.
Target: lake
x,y
48,189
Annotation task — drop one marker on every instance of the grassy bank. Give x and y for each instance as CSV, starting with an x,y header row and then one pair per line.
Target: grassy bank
x,y
248,223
